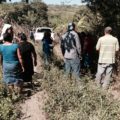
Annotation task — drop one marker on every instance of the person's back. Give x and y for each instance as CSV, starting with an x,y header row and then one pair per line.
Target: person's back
x,y
47,45
12,64
29,57
26,50
74,48
107,49
47,48
9,53
71,50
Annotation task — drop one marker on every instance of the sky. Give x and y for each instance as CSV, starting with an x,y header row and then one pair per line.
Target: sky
x,y
77,2
69,2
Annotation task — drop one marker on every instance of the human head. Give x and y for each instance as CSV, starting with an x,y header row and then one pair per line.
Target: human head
x,y
71,26
83,34
108,30
47,34
5,29
9,30
7,37
22,36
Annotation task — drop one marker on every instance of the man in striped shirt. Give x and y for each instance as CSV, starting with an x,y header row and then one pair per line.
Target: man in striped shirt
x,y
107,46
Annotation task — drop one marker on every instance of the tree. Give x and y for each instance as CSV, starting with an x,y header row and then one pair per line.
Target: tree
x,y
109,10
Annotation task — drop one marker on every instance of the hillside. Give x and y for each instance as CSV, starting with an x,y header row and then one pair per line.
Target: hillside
x,y
54,96
60,16
24,17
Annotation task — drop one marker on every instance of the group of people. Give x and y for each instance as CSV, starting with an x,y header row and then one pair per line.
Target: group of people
x,y
75,51
17,60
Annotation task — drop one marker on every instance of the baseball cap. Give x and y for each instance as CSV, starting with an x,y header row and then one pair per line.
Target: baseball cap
x,y
71,26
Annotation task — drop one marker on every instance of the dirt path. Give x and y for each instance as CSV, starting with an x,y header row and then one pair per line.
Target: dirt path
x,y
33,107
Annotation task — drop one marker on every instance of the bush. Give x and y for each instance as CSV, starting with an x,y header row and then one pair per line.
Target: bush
x,y
7,108
30,15
75,100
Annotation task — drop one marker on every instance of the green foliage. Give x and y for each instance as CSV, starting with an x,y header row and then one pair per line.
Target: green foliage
x,y
34,14
60,15
77,100
109,10
7,109
87,20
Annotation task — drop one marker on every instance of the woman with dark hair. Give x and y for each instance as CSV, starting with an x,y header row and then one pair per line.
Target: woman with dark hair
x,y
7,28
10,30
47,47
29,57
11,63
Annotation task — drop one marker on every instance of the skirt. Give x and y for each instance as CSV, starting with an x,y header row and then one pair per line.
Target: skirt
x,y
12,73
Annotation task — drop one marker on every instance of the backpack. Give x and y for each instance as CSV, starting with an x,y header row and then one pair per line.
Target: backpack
x,y
68,42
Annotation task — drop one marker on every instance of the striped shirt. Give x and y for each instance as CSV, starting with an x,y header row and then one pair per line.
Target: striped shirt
x,y
107,46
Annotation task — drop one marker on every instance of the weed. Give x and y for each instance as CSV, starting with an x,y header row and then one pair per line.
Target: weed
x,y
72,100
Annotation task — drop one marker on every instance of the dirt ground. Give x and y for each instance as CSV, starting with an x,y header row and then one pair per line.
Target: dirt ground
x,y
32,109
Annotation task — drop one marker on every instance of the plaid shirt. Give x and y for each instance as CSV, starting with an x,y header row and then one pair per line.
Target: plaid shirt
x,y
107,46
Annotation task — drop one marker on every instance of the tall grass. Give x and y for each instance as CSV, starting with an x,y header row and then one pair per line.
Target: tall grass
x,y
77,100
7,108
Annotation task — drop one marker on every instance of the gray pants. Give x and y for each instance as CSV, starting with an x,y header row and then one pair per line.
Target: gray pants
x,y
73,66
103,76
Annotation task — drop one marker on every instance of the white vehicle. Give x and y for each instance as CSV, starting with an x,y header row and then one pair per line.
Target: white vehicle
x,y
5,27
39,33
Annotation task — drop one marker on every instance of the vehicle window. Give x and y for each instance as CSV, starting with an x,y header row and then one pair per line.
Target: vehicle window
x,y
43,30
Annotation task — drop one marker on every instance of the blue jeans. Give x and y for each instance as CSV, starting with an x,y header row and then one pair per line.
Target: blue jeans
x,y
73,66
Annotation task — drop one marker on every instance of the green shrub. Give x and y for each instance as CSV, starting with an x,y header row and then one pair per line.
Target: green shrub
x,y
75,100
7,108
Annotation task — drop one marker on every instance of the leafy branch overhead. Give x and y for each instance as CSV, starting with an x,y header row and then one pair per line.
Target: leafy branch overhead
x,y
34,14
109,10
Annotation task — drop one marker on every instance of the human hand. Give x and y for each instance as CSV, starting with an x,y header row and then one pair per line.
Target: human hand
x,y
35,63
23,69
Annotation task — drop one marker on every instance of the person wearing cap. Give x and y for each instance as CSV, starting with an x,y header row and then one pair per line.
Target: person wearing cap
x,y
71,50
107,46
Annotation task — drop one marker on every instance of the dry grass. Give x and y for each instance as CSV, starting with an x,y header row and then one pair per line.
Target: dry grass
x,y
7,108
77,100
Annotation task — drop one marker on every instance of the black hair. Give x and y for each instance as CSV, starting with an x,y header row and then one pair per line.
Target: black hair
x,y
22,36
7,37
47,34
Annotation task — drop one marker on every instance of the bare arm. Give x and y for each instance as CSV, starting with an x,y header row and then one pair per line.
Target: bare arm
x,y
117,46
34,56
20,58
1,59
78,44
98,45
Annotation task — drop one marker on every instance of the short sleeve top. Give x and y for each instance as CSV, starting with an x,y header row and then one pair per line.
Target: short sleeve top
x,y
9,53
